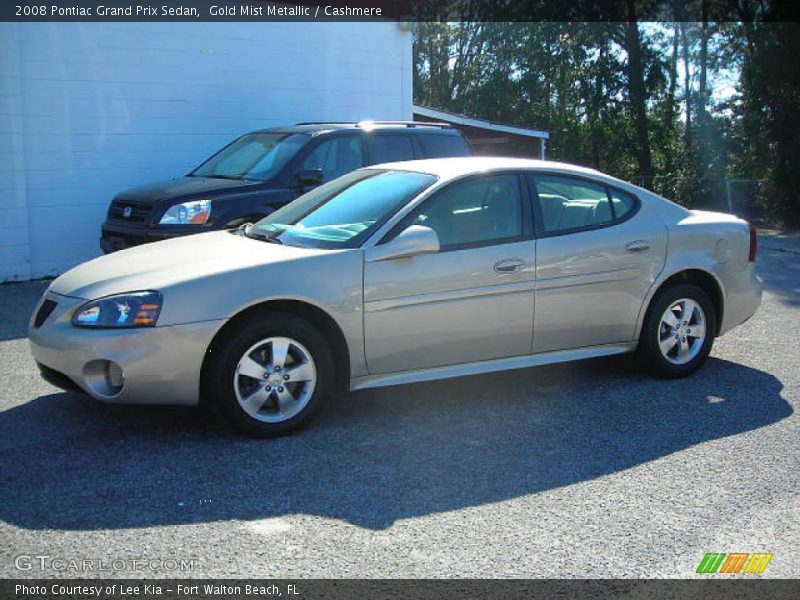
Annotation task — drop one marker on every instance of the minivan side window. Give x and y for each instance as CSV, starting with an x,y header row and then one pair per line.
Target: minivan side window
x,y
567,204
480,211
388,148
436,146
336,157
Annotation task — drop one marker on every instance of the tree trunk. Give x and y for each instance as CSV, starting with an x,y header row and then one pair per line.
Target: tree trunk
x,y
669,105
673,81
596,103
702,92
638,94
687,86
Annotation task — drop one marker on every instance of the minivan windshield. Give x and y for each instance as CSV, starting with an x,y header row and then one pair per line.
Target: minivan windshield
x,y
344,212
256,157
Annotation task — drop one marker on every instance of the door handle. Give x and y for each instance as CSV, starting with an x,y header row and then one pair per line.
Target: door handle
x,y
509,265
637,246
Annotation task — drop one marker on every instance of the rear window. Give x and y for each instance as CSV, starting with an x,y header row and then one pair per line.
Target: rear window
x,y
439,146
389,148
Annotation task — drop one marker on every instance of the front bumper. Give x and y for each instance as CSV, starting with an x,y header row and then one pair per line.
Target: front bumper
x,y
114,236
161,365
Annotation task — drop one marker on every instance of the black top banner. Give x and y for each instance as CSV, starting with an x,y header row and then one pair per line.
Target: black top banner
x,y
398,10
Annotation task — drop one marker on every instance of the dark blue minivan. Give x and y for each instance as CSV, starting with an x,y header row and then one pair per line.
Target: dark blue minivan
x,y
262,171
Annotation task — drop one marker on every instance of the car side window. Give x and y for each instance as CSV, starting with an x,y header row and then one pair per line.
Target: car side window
x,y
388,148
623,203
336,157
441,145
567,204
478,212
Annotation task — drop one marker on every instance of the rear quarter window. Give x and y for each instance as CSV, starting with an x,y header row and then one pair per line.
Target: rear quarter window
x,y
440,146
623,203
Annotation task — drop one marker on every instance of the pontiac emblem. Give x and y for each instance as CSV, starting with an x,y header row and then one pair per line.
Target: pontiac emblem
x,y
127,212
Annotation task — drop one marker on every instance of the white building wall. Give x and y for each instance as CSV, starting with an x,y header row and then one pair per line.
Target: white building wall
x,y
90,109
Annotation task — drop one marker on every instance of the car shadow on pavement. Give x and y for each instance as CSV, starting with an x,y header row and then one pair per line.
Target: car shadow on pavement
x,y
70,463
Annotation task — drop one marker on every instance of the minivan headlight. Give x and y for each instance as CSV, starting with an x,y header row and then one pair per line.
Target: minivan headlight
x,y
194,212
134,309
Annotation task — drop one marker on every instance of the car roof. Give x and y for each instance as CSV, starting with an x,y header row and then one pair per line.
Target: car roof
x,y
450,168
318,128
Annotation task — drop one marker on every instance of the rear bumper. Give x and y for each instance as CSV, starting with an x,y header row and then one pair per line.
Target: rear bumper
x,y
743,291
115,236
160,365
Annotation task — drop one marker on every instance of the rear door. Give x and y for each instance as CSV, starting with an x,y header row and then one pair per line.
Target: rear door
x,y
598,253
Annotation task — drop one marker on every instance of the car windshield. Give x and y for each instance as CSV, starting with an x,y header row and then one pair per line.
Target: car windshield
x,y
256,156
344,212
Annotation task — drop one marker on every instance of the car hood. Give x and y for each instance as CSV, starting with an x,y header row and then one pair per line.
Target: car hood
x,y
160,265
181,187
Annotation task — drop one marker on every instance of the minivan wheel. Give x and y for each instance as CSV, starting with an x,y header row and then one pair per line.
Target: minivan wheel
x,y
270,375
678,331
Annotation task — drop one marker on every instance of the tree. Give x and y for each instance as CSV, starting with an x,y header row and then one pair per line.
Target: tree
x,y
635,99
637,94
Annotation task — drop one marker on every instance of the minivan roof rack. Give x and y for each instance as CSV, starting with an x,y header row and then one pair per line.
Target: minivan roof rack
x,y
371,122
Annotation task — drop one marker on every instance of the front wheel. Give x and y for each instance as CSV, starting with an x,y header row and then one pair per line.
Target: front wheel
x,y
678,331
270,375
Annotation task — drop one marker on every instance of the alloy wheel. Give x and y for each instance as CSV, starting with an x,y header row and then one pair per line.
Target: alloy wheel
x,y
682,331
275,379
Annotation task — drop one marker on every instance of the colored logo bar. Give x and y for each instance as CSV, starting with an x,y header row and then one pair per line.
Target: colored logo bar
x,y
734,562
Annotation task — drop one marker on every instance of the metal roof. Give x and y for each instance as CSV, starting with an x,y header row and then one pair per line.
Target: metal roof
x,y
442,115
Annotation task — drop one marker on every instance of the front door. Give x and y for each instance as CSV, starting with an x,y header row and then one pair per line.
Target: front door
x,y
471,301
333,157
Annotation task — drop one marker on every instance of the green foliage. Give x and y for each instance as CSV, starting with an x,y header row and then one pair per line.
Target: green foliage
x,y
629,99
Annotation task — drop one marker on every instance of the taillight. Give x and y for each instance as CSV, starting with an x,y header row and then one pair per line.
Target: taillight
x,y
753,244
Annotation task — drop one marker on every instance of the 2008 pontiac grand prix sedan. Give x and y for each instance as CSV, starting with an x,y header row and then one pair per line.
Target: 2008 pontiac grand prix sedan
x,y
399,273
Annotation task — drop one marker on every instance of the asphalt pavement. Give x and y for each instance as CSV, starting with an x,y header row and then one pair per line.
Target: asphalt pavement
x,y
590,469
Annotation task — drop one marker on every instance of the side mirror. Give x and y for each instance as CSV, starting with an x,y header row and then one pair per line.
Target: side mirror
x,y
417,239
308,178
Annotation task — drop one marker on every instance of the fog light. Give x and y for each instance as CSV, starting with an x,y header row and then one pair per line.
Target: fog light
x,y
105,377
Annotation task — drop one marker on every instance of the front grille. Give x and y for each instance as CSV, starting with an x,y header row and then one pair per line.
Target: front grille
x,y
47,307
137,212
119,241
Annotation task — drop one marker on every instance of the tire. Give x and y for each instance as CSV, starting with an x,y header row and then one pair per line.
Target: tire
x,y
256,368
666,355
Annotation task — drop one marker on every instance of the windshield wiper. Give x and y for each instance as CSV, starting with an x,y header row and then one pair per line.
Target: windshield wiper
x,y
247,230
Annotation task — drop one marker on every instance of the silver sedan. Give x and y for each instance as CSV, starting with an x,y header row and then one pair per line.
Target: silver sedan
x,y
400,273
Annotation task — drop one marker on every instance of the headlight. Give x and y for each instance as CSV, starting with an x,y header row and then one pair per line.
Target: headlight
x,y
195,212
136,309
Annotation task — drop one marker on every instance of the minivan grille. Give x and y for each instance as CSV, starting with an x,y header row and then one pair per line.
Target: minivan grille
x,y
129,212
47,307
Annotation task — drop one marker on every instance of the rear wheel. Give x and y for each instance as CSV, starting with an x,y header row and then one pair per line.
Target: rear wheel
x,y
678,331
270,375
